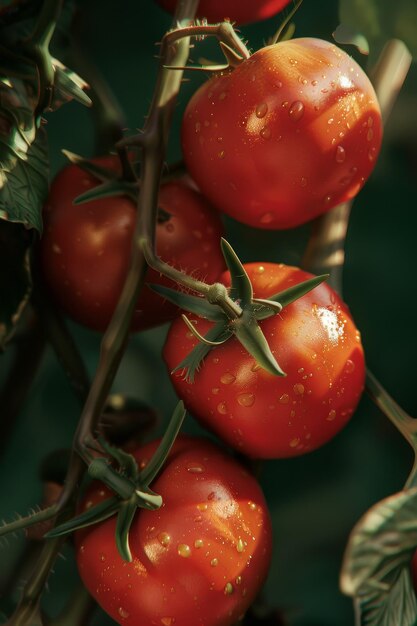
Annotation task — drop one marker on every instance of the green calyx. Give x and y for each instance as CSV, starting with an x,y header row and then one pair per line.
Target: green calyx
x,y
130,485
236,313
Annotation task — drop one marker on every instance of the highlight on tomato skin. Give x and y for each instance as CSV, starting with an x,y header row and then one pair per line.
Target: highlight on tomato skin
x,y
315,342
85,249
239,11
290,133
198,560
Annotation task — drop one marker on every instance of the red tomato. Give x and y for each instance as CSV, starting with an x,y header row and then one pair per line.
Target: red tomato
x,y
199,560
85,249
235,10
289,134
316,344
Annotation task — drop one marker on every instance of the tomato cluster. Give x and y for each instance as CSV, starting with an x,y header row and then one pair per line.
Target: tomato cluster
x,y
289,133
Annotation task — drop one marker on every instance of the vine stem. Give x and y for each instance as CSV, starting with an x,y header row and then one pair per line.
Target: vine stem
x,y
325,252
155,138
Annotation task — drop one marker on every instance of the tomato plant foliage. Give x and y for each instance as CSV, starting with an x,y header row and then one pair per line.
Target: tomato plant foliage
x,y
287,135
316,343
199,560
85,250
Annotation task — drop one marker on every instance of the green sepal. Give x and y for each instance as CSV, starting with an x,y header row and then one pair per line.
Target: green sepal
x,y
94,515
241,286
346,34
253,340
67,86
126,461
262,309
154,466
291,294
100,469
193,304
192,362
148,499
125,517
109,189
102,174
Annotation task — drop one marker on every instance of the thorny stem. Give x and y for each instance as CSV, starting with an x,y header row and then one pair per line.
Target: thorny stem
x,y
325,252
78,611
38,46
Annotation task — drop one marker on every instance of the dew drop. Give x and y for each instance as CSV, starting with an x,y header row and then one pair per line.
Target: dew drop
x,y
198,543
252,506
214,562
294,442
331,415
197,127
228,590
340,154
227,378
278,84
238,580
195,469
261,110
267,218
164,539
303,182
184,550
370,134
298,389
221,154
349,367
202,506
327,199
285,398
372,154
223,95
240,546
370,122
314,82
296,111
215,390
265,133
122,612
222,408
102,557
246,399
260,269
330,120
166,621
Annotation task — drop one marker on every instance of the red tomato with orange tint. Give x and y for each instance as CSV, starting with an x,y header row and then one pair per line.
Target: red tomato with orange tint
x,y
317,345
287,135
85,249
239,11
199,560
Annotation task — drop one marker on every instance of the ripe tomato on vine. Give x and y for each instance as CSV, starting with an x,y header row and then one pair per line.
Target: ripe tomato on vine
x,y
288,134
237,11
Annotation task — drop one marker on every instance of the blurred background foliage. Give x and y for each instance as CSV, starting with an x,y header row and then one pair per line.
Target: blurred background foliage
x,y
314,500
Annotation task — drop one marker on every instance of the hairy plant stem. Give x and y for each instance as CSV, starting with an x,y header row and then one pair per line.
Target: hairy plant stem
x,y
38,47
325,252
154,143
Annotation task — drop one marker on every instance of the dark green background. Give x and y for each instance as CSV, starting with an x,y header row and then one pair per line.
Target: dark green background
x,y
314,500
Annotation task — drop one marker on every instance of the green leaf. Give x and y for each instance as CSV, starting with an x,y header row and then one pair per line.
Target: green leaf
x,y
192,362
291,294
253,340
379,21
94,515
193,304
382,542
154,466
397,605
125,517
109,189
15,278
241,288
23,190
349,36
67,86
126,461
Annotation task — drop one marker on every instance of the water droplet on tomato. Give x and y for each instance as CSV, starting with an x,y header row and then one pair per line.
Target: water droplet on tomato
x,y
372,154
197,127
285,398
327,199
167,621
261,110
203,506
215,390
296,111
221,154
346,180
314,82
223,95
184,550
198,543
238,580
252,505
227,378
260,269
228,590
349,367
240,546
246,399
370,122
331,415
298,389
222,408
214,562
303,182
267,218
265,133
164,539
278,84
102,557
294,442
122,612
370,134
340,154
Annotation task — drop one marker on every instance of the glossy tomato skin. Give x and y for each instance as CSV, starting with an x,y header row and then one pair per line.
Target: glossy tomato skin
x,y
238,11
85,249
286,136
199,560
316,344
